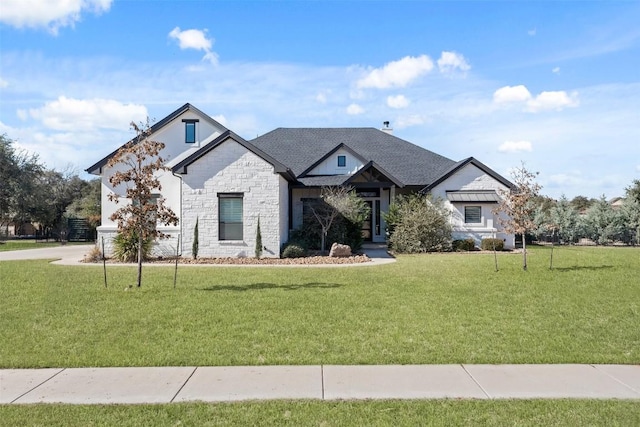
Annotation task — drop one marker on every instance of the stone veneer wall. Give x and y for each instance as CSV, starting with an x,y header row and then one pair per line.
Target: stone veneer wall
x,y
231,168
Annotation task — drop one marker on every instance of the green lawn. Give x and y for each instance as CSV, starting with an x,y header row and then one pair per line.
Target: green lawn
x,y
341,413
17,245
440,308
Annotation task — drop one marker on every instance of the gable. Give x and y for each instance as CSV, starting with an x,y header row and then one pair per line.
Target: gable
x,y
340,161
171,131
182,166
471,180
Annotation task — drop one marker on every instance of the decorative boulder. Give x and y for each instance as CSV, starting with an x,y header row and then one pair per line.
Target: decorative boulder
x,y
338,250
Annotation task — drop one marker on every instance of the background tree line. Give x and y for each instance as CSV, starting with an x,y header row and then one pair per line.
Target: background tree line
x,y
32,194
567,221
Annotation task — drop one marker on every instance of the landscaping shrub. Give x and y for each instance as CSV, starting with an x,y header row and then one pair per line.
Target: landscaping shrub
x,y
126,249
94,255
294,251
419,224
342,231
464,245
488,244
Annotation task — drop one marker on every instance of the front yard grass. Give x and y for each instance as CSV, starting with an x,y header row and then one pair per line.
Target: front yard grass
x,y
428,309
18,245
334,413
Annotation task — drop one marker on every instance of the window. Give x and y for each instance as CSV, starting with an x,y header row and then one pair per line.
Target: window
x,y
230,216
472,215
342,161
190,131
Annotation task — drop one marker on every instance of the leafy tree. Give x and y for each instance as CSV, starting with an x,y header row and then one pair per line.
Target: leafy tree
x,y
565,217
519,206
633,191
629,214
88,204
55,192
339,206
418,223
135,165
600,222
19,172
581,203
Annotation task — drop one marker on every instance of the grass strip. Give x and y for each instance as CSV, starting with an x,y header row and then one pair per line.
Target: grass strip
x,y
338,413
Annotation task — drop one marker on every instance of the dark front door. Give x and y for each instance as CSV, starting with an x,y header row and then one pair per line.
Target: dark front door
x,y
367,229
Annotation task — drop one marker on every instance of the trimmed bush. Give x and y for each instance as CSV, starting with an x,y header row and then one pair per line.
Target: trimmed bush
x,y
489,244
294,251
464,245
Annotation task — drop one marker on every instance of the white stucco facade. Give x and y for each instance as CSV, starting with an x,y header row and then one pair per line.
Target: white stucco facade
x,y
472,178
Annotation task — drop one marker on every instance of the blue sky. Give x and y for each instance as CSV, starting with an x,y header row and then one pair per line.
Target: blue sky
x,y
555,85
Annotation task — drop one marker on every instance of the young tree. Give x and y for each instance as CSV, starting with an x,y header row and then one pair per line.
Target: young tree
x,y
518,206
135,165
336,202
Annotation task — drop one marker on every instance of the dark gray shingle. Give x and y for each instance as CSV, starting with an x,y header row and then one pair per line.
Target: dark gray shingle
x,y
300,148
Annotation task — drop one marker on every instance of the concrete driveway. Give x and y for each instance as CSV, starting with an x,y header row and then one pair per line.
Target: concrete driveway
x,y
74,252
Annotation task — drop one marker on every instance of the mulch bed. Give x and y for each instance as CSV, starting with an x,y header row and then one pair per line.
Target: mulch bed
x,y
311,260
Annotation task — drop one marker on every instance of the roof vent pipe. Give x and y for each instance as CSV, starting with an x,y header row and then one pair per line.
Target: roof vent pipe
x,y
386,128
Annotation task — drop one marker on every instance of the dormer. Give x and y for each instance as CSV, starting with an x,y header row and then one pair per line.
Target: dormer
x,y
339,161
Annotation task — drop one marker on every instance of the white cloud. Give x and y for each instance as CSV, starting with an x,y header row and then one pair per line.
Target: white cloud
x,y
544,101
554,100
354,109
556,70
195,39
3,83
451,61
508,94
50,14
515,147
398,101
68,114
397,73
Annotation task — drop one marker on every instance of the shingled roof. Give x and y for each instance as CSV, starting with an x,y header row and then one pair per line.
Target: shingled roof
x,y
301,148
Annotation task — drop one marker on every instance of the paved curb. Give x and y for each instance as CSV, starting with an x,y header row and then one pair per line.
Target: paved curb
x,y
322,382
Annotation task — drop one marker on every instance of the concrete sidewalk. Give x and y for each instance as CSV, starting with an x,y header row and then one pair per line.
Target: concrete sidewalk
x,y
222,384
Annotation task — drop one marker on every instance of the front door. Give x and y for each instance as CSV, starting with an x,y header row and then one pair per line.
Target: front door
x,y
367,225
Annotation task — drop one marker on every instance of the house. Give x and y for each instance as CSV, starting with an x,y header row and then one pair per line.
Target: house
x,y
226,183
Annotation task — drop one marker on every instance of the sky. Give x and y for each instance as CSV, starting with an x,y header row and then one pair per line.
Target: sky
x,y
551,85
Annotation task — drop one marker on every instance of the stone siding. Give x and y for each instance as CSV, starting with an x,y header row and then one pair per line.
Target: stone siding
x,y
231,168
